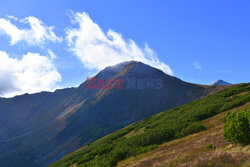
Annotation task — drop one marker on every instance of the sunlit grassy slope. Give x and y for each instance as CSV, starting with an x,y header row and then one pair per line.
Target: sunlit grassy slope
x,y
193,149
151,133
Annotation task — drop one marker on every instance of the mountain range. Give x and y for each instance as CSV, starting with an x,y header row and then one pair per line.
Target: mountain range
x,y
190,135
38,129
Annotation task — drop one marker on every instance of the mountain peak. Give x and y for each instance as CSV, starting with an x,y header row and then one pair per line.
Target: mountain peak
x,y
117,67
220,82
138,68
61,121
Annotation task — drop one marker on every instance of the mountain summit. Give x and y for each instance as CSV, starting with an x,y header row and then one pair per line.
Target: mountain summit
x,y
38,129
220,82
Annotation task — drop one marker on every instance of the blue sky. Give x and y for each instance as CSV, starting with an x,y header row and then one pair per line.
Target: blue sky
x,y
197,41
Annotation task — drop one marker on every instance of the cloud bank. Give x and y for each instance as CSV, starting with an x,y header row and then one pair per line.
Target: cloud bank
x,y
37,34
33,73
97,49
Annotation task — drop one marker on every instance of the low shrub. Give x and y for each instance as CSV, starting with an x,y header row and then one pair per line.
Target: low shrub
x,y
237,128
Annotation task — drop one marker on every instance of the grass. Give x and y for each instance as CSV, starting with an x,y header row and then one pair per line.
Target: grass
x,y
135,132
192,149
144,143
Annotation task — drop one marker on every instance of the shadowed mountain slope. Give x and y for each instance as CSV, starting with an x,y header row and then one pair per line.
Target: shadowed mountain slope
x,y
150,134
40,128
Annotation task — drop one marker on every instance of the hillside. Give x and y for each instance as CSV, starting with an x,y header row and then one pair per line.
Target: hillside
x,y
151,133
193,150
38,129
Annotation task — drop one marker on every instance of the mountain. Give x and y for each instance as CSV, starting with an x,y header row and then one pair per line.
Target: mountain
x,y
37,129
221,82
166,139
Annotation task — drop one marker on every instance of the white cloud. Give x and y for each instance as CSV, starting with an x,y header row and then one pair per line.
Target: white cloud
x,y
33,73
37,34
12,17
51,54
196,65
97,50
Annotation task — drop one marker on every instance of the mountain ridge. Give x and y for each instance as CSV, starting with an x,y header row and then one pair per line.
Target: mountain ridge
x,y
147,134
50,125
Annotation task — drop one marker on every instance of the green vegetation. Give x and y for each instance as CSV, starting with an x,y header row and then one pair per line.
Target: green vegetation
x,y
237,128
191,150
172,124
211,146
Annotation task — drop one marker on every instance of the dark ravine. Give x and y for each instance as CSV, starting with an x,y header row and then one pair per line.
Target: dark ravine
x,y
38,129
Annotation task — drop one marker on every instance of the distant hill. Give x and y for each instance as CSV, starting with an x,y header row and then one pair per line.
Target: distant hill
x,y
38,129
220,82
205,115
